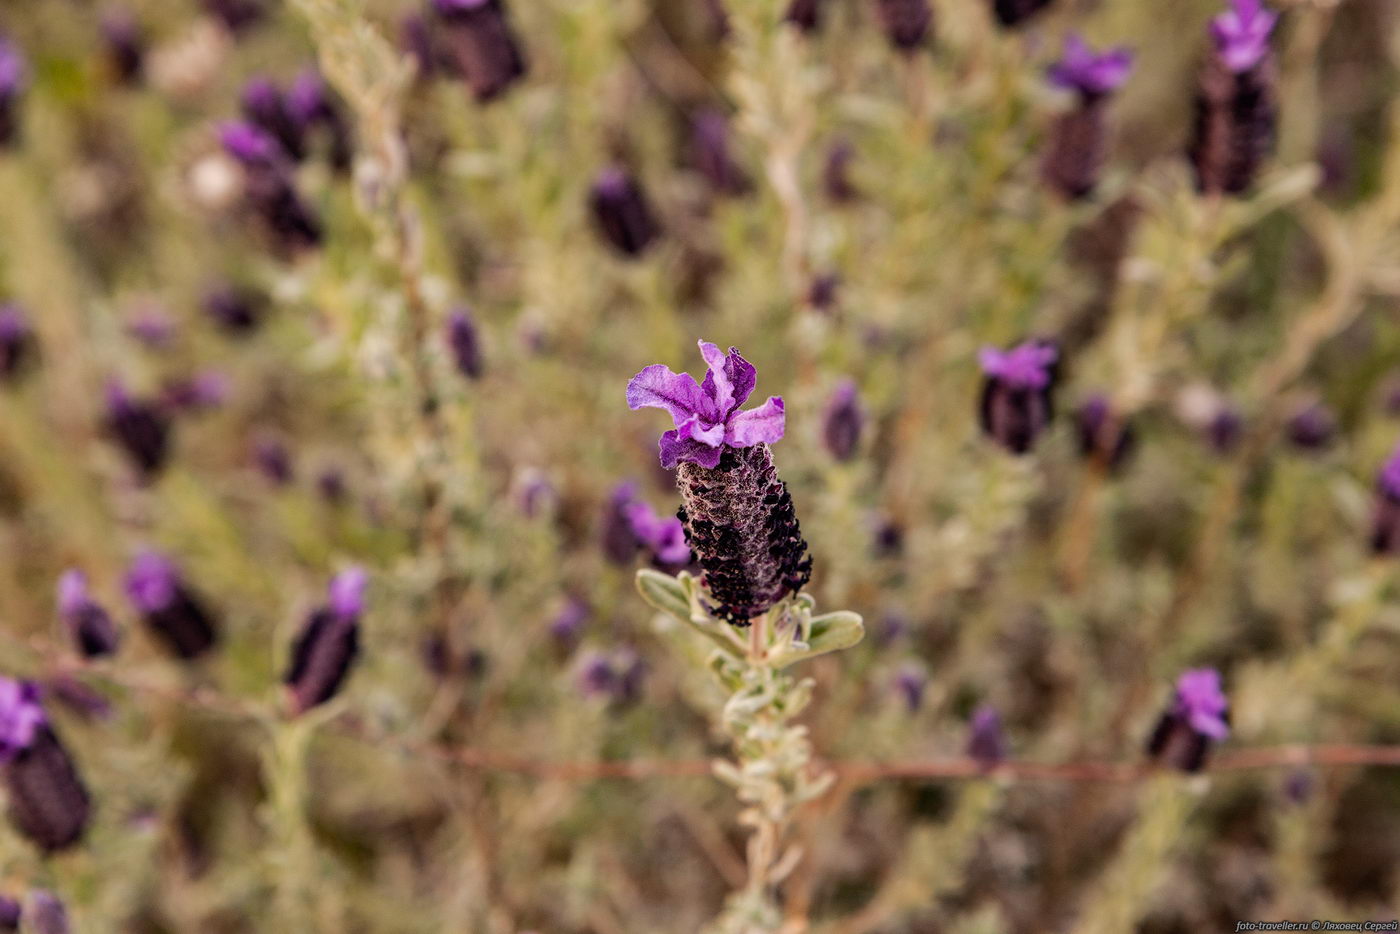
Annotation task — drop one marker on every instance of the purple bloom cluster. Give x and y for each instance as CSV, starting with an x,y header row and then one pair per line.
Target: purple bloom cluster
x,y
1385,524
328,644
844,422
16,341
1016,404
1236,104
140,427
48,803
269,185
986,743
1197,717
88,624
623,213
21,716
14,77
476,35
1091,74
465,343
1242,33
663,537
614,676
174,613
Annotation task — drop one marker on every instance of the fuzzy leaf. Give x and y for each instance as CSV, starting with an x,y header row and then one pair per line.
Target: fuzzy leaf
x,y
830,632
665,593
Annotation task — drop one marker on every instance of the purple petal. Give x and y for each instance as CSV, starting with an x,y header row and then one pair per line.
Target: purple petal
x,y
761,425
731,378
675,449
1209,725
347,592
678,393
696,429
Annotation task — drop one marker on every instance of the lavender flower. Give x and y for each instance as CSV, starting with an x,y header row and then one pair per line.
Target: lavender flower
x,y
267,174
91,629
1236,108
201,392
844,422
1225,429
906,23
140,428
175,614
233,309
265,107
1312,428
836,174
1016,401
1015,12
311,108
664,538
710,150
14,78
1385,524
9,914
623,213
567,624
273,461
479,38
48,803
615,676
1298,787
806,15
464,342
329,643
16,341
618,540
1197,717
1078,138
151,325
910,683
46,914
126,47
1104,438
986,742
330,484
821,294
738,515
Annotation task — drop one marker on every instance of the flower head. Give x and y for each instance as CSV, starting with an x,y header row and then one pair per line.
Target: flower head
x,y
665,538
1241,34
151,582
250,144
1091,74
346,594
985,742
844,422
21,716
1025,366
707,415
1388,480
14,73
910,681
464,342
1201,702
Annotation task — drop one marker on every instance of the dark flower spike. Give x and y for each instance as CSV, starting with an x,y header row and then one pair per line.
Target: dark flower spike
x,y
1104,439
709,143
46,914
1312,428
235,310
615,676
1236,103
663,538
910,682
126,47
907,23
465,343
623,213
267,172
1079,137
140,427
237,15
16,341
844,422
478,37
198,393
986,743
1197,717
9,914
264,105
806,15
738,516
174,613
1385,525
310,107
566,626
91,629
14,78
1015,12
836,175
329,643
1016,403
274,461
48,803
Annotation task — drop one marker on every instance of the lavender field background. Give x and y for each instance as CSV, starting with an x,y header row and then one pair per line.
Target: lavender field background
x,y
319,319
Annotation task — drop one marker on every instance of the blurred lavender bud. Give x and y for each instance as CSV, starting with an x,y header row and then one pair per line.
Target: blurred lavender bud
x,y
152,326
329,643
1016,403
48,803
14,78
806,15
465,343
16,342
1197,717
311,108
1312,428
1015,12
478,36
236,15
568,623
596,677
738,515
821,295
175,614
844,422
267,174
535,495
836,174
46,914
893,627
1078,138
140,428
1385,523
887,536
125,45
663,538
273,461
710,151
623,213
1104,439
618,540
330,484
199,393
986,743
1298,787
1225,429
630,670
907,23
91,629
9,914
235,310
265,107
1236,111
910,682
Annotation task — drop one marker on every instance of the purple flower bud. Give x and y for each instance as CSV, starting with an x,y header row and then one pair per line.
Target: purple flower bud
x,y
844,422
1014,12
14,78
1385,524
310,108
152,326
664,538
893,627
237,15
140,428
1225,429
16,341
1298,786
47,801
1104,438
465,343
906,23
1016,403
252,144
836,175
623,213
887,537
535,494
566,626
618,540
616,677
329,643
264,107
46,914
330,484
174,613
910,682
92,630
273,461
595,675
806,15
268,185
233,309
821,295
9,914
203,391
709,143
1197,717
1312,428
986,742
1089,74
1236,103
479,38
121,34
